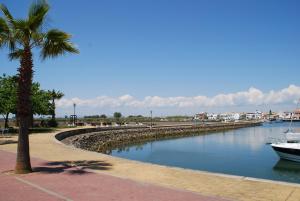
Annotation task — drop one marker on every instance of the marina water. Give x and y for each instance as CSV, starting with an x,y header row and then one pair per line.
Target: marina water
x,y
242,152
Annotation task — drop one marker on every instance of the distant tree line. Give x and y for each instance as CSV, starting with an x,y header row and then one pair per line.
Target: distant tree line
x,y
118,118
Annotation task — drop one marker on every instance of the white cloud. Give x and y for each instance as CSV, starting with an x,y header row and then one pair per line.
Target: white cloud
x,y
251,97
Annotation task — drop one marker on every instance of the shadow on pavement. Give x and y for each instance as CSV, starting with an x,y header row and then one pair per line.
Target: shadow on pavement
x,y
72,167
3,142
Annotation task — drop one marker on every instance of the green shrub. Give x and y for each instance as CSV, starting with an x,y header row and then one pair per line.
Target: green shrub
x,y
52,123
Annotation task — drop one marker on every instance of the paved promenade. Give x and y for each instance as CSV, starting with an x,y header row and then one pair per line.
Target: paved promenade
x,y
64,181
67,173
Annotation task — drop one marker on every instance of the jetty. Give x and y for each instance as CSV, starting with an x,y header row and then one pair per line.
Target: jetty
x,y
104,140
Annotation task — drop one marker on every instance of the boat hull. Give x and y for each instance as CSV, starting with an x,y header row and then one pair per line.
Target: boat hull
x,y
287,153
289,120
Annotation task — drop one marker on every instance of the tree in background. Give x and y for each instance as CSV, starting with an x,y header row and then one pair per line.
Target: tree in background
x,y
21,36
55,95
103,116
41,99
8,98
117,116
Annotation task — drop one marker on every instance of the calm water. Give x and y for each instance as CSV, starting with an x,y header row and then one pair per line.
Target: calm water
x,y
240,152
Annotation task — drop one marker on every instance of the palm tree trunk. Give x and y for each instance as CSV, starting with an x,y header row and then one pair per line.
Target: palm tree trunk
x,y
24,111
31,120
6,120
53,109
17,120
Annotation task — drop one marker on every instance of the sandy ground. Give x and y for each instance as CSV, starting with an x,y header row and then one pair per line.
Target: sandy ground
x,y
46,147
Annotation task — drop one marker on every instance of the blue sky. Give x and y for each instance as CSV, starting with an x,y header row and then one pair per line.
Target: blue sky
x,y
175,48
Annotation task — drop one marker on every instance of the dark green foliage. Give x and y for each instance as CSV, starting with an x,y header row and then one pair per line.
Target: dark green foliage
x,y
8,99
103,116
41,104
92,117
117,115
41,99
55,95
52,123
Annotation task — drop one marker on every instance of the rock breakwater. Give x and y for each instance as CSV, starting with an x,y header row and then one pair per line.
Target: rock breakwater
x,y
104,140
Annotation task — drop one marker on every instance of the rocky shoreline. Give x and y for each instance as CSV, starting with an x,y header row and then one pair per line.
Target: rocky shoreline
x,y
105,140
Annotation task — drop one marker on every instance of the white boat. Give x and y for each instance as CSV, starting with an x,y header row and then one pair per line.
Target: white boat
x,y
292,137
288,151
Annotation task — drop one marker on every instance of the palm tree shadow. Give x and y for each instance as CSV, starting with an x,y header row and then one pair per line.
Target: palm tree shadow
x,y
3,142
72,167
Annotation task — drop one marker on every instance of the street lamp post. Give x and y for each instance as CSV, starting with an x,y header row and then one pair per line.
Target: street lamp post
x,y
74,106
151,119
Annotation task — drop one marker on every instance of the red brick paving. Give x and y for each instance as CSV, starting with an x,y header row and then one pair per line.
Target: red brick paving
x,y
58,181
12,190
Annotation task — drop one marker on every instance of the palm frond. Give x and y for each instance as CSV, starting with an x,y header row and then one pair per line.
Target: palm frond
x,y
37,14
21,24
3,26
4,32
22,31
11,44
6,35
3,40
37,38
56,94
57,43
17,54
7,14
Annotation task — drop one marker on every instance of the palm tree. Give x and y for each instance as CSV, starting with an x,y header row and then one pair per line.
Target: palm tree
x,y
21,36
55,95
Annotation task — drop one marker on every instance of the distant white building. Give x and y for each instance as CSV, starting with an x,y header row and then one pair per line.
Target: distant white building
x,y
250,116
225,117
295,115
254,115
230,116
282,115
258,115
236,116
201,116
212,116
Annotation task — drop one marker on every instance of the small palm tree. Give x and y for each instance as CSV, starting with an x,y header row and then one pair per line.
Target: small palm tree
x,y
21,36
55,95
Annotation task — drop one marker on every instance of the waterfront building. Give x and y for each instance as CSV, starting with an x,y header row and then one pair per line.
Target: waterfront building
x,y
201,116
236,116
288,115
254,115
212,117
258,114
296,114
230,116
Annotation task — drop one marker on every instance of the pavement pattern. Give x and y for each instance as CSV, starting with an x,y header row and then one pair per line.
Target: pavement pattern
x,y
65,181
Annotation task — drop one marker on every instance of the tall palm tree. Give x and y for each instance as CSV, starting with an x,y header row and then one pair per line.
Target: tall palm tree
x,y
21,36
55,95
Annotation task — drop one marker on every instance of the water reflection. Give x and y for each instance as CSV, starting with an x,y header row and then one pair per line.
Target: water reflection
x,y
239,152
254,138
287,170
287,166
137,147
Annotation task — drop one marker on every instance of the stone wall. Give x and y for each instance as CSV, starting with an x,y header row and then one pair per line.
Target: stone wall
x,y
106,139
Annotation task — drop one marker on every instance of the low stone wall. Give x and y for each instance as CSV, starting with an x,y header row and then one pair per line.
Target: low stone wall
x,y
106,139
66,134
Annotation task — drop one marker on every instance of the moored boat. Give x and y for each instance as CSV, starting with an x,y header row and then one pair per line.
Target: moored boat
x,y
288,151
293,137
